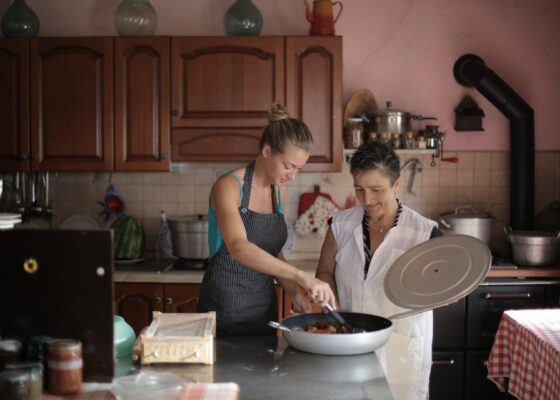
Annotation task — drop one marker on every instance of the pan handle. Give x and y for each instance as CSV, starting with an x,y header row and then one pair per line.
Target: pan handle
x,y
276,325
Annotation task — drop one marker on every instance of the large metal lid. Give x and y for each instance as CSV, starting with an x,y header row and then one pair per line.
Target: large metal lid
x,y
437,272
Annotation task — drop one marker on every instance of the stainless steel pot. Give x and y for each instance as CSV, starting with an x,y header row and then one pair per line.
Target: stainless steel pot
x,y
189,235
392,121
467,220
533,248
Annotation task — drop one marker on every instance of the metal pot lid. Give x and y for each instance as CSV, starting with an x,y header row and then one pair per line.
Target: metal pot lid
x,y
438,272
466,212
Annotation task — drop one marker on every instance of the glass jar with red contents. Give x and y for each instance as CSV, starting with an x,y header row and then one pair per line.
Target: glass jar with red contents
x,y
64,361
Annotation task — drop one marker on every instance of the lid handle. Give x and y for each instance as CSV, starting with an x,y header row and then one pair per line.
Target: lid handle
x,y
465,210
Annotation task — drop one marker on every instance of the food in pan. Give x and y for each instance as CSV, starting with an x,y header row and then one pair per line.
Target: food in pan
x,y
326,327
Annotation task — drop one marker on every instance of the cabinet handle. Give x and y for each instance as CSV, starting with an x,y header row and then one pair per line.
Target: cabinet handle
x,y
492,296
157,299
445,363
22,156
168,300
174,113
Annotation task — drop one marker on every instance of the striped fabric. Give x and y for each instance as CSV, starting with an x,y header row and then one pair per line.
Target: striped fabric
x,y
365,228
245,299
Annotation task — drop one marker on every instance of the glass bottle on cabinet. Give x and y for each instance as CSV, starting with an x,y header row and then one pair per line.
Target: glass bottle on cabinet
x,y
135,18
20,21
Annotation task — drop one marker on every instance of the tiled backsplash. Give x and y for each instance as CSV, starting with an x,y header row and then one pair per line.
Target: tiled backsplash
x,y
480,179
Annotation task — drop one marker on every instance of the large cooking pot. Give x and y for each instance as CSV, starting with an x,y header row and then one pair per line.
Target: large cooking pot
x,y
435,273
533,248
391,121
468,220
189,235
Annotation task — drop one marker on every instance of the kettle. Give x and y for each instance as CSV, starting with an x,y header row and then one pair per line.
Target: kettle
x,y
321,17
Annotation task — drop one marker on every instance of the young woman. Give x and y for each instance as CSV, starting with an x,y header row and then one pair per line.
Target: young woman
x,y
247,231
359,248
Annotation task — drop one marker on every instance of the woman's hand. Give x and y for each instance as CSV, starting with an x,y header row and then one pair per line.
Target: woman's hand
x,y
319,291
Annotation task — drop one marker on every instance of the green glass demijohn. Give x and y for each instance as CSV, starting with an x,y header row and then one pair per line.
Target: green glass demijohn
x,y
20,21
123,341
135,18
243,18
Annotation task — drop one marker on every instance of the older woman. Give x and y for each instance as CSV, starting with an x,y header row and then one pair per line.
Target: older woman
x,y
360,246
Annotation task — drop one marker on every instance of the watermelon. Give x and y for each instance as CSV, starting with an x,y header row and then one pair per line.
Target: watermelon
x,y
129,238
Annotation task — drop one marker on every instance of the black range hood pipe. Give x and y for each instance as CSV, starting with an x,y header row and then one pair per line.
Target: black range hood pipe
x,y
469,70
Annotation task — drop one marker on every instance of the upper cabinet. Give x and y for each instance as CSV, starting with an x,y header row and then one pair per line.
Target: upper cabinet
x,y
313,94
72,104
14,105
136,103
142,104
223,89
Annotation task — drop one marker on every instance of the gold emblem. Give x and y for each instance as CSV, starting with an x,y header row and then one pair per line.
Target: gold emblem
x,y
30,265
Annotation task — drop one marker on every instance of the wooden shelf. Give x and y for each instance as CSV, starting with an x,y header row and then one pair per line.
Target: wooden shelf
x,y
348,152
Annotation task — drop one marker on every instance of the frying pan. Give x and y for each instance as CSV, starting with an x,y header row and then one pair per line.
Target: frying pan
x,y
435,273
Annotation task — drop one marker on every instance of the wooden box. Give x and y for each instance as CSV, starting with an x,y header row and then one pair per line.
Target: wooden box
x,y
177,338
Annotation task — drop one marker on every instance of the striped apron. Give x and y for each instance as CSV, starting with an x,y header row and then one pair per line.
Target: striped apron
x,y
245,299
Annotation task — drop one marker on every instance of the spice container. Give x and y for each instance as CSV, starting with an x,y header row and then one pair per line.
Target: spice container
x,y
34,383
10,351
353,133
64,360
409,141
15,385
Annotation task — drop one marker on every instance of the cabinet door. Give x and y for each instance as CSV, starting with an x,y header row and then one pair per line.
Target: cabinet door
x,y
142,104
313,94
486,305
446,378
71,104
136,302
222,89
14,105
181,297
449,326
477,384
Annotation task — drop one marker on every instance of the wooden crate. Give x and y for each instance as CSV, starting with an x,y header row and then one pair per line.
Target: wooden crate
x,y
177,338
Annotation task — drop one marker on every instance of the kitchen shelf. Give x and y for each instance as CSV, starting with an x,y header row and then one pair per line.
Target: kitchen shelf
x,y
348,152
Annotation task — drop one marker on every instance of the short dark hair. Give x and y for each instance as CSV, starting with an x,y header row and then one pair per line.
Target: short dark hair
x,y
376,156
282,130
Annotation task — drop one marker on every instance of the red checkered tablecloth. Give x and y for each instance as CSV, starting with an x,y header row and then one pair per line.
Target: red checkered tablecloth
x,y
526,351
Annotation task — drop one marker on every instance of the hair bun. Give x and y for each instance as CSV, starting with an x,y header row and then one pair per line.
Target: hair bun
x,y
277,113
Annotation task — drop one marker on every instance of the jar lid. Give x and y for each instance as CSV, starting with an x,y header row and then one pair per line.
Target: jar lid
x,y
14,376
10,345
64,345
29,366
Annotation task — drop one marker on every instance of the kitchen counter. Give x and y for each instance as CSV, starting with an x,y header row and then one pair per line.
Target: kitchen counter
x,y
159,271
267,368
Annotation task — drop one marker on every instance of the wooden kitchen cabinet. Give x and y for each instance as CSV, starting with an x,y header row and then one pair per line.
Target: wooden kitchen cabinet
x,y
142,113
222,89
313,94
72,104
14,105
136,302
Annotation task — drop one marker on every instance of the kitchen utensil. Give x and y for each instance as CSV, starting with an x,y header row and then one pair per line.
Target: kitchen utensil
x,y
533,248
433,274
361,103
189,236
467,220
392,121
342,321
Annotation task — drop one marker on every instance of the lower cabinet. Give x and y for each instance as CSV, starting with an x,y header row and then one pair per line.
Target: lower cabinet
x,y
136,302
464,334
447,376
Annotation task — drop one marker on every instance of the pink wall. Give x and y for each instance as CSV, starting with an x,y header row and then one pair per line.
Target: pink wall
x,y
402,50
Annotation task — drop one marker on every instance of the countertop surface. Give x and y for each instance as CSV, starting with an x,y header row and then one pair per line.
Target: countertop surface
x,y
267,368
161,271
